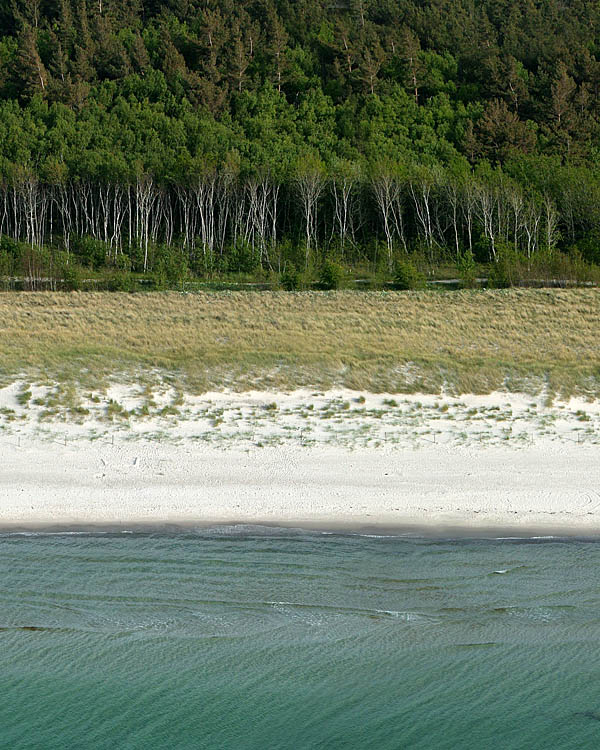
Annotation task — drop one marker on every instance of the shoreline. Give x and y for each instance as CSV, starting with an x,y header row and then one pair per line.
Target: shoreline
x,y
370,463
271,530
499,492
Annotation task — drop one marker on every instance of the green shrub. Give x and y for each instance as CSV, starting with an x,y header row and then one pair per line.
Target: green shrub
x,y
408,276
170,270
482,250
90,252
567,265
242,258
118,281
6,264
72,277
505,271
466,269
291,279
588,248
331,275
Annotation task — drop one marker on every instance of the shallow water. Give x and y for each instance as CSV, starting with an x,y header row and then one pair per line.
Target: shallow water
x,y
256,638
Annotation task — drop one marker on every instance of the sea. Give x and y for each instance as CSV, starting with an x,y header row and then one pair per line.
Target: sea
x,y
250,637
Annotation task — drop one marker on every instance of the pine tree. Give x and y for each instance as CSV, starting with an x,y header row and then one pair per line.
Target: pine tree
x,y
29,68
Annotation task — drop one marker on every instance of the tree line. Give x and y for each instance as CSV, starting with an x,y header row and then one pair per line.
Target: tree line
x,y
268,134
224,220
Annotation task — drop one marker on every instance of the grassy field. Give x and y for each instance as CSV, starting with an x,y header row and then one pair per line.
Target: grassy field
x,y
469,341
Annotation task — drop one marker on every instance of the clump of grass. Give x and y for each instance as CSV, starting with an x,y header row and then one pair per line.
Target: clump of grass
x,y
114,409
178,398
8,414
47,414
80,411
390,402
52,399
23,397
168,411
148,396
77,414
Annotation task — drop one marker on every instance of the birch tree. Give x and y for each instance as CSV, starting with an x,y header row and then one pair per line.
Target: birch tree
x,y
387,185
310,181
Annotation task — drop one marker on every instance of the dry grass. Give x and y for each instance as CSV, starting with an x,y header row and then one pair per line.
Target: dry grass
x,y
381,341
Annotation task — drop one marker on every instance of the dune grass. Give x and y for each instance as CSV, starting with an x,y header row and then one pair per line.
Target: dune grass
x,y
469,341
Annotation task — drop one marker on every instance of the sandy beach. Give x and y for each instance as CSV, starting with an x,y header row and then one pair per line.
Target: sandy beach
x,y
502,463
529,489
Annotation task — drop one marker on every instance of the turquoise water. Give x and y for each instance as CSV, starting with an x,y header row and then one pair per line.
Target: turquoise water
x,y
249,638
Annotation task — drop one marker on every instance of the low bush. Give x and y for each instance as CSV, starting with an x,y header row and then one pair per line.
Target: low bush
x,y
118,281
291,279
408,276
332,275
466,269
72,277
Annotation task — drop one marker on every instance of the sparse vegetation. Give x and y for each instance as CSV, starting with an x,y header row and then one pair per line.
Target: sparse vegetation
x,y
24,397
114,409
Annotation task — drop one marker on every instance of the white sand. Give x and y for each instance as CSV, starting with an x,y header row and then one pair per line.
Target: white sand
x,y
508,467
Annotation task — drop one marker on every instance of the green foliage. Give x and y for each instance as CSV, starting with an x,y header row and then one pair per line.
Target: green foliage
x,y
6,264
291,279
90,252
72,277
482,250
485,107
242,258
407,276
118,281
171,269
505,271
9,246
588,248
466,269
332,275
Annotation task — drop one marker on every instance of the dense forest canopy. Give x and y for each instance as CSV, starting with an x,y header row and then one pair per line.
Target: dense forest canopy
x,y
221,135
